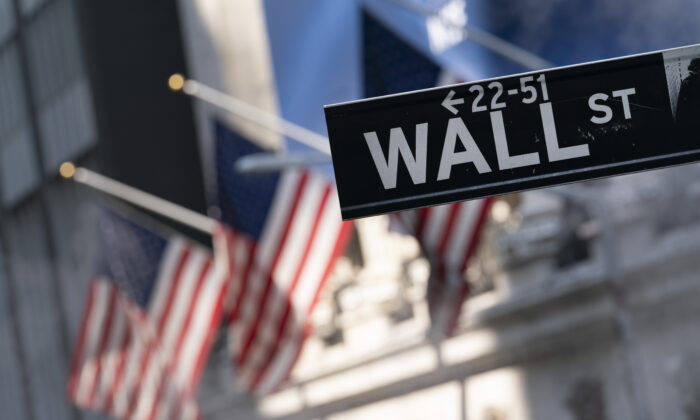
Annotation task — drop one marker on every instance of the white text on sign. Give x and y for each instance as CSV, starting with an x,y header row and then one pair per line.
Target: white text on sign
x,y
531,88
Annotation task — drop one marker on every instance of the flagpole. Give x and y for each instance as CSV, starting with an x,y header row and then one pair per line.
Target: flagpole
x,y
274,162
249,112
138,198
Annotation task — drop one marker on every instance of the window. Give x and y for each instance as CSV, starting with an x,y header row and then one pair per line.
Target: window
x,y
18,172
12,102
7,20
53,50
29,6
62,95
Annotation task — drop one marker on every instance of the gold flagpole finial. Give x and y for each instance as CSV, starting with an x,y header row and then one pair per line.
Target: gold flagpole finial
x,y
67,170
176,82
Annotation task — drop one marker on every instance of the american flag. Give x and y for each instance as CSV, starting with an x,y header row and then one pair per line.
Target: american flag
x,y
285,231
148,323
447,234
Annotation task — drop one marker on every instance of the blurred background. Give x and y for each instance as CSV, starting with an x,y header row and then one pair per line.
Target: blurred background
x,y
583,299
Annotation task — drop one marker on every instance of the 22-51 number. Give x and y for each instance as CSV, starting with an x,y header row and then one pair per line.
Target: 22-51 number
x,y
526,88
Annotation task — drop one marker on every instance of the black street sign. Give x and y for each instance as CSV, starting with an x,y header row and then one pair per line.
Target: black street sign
x,y
510,134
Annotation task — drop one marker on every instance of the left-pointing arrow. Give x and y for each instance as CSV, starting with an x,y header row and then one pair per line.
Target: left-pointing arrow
x,y
450,102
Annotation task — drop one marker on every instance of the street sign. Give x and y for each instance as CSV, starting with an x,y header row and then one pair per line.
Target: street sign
x,y
515,133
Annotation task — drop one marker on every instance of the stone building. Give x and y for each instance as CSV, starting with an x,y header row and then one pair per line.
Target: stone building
x,y
608,333
81,81
584,302
582,306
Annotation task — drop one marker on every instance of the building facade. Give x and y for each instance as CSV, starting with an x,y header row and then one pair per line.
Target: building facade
x,y
82,81
583,303
609,334
585,298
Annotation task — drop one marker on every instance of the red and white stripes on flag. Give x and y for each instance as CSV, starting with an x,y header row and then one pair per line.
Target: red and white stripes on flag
x,y
277,280
132,363
449,235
